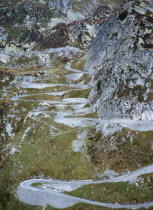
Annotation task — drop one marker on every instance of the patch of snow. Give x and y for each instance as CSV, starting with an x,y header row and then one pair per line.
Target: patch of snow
x,y
55,21
73,16
77,145
82,135
108,174
4,57
9,130
13,151
108,128
25,132
42,1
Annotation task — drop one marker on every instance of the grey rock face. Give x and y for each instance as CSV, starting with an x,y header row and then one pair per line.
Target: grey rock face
x,y
121,61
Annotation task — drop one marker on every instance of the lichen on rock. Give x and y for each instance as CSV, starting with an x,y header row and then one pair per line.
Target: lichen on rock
x,y
121,61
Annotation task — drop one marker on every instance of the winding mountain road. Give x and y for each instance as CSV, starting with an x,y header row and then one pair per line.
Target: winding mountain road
x,y
50,192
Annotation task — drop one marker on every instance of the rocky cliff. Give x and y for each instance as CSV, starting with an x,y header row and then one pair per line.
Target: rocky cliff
x,y
121,61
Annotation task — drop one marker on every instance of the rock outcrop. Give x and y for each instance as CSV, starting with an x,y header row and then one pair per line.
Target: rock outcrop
x,y
121,61
31,23
42,11
78,33
32,26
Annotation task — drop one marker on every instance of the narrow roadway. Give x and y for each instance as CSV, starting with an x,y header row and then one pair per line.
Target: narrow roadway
x,y
51,191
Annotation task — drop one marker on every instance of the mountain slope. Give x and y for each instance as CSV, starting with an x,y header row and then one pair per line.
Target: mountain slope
x,y
121,60
30,21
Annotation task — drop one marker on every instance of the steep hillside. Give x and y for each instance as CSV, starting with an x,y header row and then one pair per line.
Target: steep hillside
x,y
121,60
25,12
31,26
30,22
